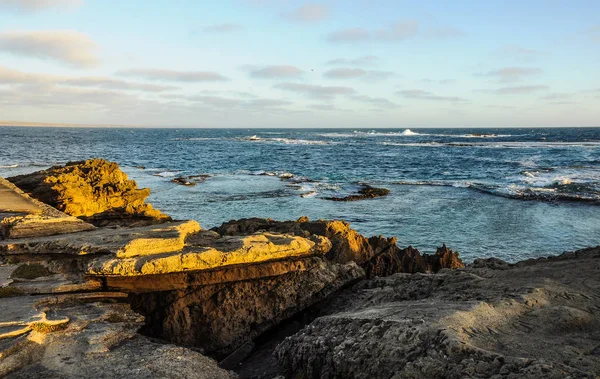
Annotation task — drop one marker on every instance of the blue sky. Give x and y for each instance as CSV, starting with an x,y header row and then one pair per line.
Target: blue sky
x,y
279,63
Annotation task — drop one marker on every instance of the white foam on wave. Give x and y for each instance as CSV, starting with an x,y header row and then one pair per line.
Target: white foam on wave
x,y
10,166
501,145
166,174
477,135
559,176
409,132
193,139
292,141
287,141
374,133
414,144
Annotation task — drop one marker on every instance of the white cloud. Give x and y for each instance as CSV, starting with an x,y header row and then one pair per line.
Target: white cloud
x,y
276,72
398,31
315,90
308,13
70,47
228,103
223,28
522,53
366,60
173,75
37,5
426,95
9,76
378,102
513,74
14,77
352,73
593,33
114,84
518,90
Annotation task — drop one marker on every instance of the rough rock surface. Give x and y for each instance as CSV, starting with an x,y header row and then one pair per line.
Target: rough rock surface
x,y
220,252
378,255
221,318
535,319
95,190
22,216
118,242
88,336
198,288
390,259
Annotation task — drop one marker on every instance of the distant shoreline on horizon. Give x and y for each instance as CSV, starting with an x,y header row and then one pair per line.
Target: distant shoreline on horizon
x,y
117,126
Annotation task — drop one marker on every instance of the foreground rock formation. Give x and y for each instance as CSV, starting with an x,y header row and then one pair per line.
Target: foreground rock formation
x,y
21,216
94,190
534,319
110,301
379,256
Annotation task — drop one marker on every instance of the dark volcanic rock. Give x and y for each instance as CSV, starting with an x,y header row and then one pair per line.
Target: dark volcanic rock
x,y
366,192
94,190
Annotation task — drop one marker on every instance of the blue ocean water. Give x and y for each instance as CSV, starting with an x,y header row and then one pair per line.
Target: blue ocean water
x,y
510,193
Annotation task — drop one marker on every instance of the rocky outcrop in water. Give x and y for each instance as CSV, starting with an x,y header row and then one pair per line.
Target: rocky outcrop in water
x,y
94,190
365,192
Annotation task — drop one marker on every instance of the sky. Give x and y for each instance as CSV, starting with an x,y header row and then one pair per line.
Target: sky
x,y
286,63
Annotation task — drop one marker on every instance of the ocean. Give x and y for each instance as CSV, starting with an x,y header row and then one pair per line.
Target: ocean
x,y
508,193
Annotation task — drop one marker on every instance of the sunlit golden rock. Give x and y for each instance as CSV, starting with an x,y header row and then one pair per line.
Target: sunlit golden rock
x,y
227,251
95,190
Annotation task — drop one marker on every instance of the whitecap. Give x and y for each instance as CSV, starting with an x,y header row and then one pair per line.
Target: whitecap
x,y
167,174
409,132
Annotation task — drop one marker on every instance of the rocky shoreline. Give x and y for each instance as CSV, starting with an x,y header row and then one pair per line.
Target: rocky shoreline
x,y
95,283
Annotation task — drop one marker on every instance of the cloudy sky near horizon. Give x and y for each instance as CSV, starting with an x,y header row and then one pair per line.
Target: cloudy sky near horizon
x,y
287,63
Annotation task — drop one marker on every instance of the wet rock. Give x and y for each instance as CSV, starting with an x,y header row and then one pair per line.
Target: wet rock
x,y
365,192
94,190
183,181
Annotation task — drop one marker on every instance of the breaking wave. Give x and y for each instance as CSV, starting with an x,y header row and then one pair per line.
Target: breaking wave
x,y
562,190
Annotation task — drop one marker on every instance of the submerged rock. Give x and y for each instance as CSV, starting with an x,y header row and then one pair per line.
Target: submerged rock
x,y
94,190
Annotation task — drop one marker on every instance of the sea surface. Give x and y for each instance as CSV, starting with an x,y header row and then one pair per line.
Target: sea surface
x,y
509,193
